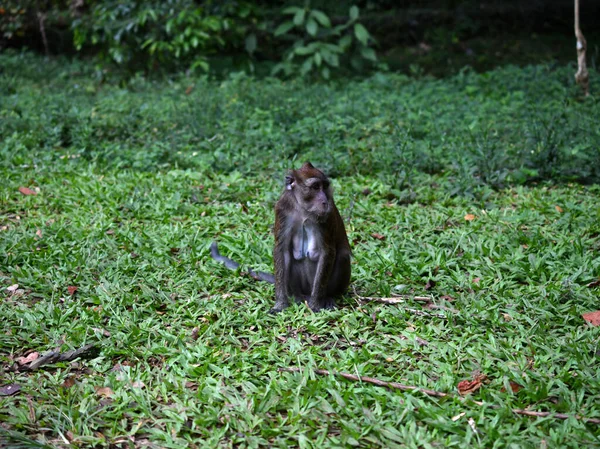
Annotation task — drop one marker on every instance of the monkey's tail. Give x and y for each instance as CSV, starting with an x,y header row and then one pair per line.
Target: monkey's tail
x,y
232,265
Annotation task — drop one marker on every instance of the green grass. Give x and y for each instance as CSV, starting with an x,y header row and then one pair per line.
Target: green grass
x,y
136,181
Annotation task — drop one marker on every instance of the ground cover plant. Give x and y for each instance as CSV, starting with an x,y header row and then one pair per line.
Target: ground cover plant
x,y
479,191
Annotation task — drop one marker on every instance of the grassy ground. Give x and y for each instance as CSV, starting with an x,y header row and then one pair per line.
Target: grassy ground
x,y
134,182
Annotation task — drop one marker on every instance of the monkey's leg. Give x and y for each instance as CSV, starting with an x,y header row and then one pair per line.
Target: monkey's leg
x,y
318,297
282,275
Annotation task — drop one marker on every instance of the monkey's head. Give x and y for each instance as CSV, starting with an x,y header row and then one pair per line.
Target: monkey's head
x,y
312,191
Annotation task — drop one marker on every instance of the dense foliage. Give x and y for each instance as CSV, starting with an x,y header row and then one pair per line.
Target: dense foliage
x,y
510,126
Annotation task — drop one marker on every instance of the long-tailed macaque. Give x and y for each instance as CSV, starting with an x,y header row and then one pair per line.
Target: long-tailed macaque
x,y
311,253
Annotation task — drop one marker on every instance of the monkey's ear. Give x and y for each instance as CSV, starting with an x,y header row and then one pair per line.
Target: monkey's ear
x,y
307,165
289,182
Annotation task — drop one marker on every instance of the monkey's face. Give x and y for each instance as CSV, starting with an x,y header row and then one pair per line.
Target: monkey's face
x,y
312,191
314,195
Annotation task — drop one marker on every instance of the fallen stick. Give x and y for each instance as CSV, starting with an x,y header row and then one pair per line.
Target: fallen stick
x,y
433,393
400,299
56,356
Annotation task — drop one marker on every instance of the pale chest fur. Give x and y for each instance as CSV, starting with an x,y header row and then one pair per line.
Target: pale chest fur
x,y
306,241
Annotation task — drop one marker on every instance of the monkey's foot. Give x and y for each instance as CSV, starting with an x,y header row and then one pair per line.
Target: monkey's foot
x,y
278,307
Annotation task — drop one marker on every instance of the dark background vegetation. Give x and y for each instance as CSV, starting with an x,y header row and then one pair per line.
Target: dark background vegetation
x,y
426,37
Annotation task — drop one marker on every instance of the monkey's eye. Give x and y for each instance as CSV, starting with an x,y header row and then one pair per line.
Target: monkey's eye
x,y
325,184
316,186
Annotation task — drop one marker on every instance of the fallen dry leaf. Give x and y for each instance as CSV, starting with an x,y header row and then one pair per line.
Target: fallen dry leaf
x,y
515,387
593,284
12,288
69,382
457,417
558,209
447,298
138,384
72,289
378,236
9,390
104,391
592,317
469,217
470,386
27,191
430,284
28,359
39,233
476,280
189,89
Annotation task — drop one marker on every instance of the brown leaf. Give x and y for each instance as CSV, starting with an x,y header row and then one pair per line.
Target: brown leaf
x,y
39,233
447,298
13,288
594,284
110,232
470,386
378,236
27,191
28,359
515,387
366,192
195,332
189,89
138,384
592,317
558,209
72,289
69,382
469,217
476,280
430,284
104,391
9,390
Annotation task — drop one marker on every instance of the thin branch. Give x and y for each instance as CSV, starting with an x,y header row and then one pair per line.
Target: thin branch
x,y
582,76
88,351
400,299
434,393
41,18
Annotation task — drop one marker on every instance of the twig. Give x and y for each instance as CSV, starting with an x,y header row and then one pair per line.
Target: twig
x,y
582,76
434,393
55,356
371,380
399,299
41,18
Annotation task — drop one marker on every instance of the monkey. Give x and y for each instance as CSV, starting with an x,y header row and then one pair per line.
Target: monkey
x,y
311,254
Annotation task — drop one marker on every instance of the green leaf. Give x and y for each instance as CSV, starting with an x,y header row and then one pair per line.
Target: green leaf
x,y
368,53
312,27
200,63
291,10
251,43
345,41
325,73
284,28
299,17
321,17
361,33
354,12
305,50
318,59
306,67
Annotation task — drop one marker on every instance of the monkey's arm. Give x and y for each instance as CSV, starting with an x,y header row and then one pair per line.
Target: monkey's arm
x,y
281,259
232,265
